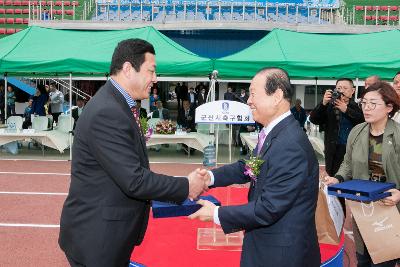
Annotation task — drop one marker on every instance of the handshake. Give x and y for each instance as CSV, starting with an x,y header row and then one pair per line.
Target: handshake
x,y
199,181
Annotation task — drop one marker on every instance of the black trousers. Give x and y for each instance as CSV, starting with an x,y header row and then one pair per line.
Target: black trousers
x,y
333,158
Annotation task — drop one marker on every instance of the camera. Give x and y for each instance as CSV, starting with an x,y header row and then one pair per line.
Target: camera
x,y
335,95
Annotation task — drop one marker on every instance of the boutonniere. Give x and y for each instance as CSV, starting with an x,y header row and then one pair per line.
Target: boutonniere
x,y
147,132
253,167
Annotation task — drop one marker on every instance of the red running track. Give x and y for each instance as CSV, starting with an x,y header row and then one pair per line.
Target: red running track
x,y
29,221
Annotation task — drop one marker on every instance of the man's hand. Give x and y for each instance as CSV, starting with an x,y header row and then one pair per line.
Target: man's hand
x,y
327,97
207,181
196,183
206,213
394,199
341,105
330,180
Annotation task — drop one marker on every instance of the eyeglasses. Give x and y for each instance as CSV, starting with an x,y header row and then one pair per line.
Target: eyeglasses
x,y
370,105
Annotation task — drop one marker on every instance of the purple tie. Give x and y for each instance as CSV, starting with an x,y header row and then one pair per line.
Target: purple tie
x,y
261,139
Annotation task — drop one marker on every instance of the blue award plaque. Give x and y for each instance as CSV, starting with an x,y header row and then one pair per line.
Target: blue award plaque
x,y
361,190
166,210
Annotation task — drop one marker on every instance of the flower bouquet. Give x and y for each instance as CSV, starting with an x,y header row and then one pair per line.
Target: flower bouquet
x,y
166,127
253,167
147,132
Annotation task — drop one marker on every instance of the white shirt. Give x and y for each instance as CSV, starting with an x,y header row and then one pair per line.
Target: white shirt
x,y
267,130
56,101
396,117
80,111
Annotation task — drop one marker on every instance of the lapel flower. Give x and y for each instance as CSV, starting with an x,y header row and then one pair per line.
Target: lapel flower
x,y
252,167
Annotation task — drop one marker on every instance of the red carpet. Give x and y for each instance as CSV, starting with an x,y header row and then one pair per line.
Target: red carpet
x,y
172,241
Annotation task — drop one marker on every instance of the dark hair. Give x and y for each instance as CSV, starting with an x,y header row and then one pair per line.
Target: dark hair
x,y
347,80
132,51
42,89
389,95
277,78
396,74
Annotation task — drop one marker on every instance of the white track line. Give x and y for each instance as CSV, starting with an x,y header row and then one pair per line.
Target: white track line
x,y
38,173
29,225
33,193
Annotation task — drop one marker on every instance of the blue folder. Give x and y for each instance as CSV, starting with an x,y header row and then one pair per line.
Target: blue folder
x,y
166,210
361,190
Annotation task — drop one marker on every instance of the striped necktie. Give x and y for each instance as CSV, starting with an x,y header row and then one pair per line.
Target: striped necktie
x,y
137,117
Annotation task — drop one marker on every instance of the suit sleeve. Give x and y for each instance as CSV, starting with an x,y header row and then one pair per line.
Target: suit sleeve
x,y
230,174
286,176
115,146
318,114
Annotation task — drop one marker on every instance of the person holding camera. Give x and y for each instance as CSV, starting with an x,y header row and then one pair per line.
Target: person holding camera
x,y
339,114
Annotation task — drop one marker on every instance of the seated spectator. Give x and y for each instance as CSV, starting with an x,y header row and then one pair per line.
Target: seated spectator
x,y
78,111
186,120
160,112
142,111
27,115
45,14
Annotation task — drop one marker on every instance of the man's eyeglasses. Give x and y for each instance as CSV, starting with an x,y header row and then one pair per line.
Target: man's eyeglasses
x,y
370,105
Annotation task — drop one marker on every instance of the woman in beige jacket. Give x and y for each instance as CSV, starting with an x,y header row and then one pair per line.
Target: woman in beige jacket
x,y
373,152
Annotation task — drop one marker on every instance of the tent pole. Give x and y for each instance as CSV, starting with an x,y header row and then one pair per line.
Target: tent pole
x,y
230,143
356,93
70,116
5,98
316,91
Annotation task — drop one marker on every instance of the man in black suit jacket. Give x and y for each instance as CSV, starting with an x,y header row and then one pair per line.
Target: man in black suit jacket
x,y
186,117
76,112
201,97
160,110
143,112
106,212
279,218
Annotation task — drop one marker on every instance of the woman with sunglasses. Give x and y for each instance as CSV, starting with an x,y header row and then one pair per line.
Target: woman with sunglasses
x,y
373,152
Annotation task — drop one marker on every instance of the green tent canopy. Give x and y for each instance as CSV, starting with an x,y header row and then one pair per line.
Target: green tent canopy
x,y
308,55
50,52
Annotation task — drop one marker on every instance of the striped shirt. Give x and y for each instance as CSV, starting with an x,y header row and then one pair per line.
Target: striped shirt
x,y
129,100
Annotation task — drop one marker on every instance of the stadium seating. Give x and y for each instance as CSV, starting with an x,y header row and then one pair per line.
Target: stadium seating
x,y
216,11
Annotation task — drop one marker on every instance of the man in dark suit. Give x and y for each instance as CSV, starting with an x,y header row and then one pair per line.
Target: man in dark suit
x,y
229,95
201,97
76,112
192,98
143,112
279,218
106,211
161,112
186,117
